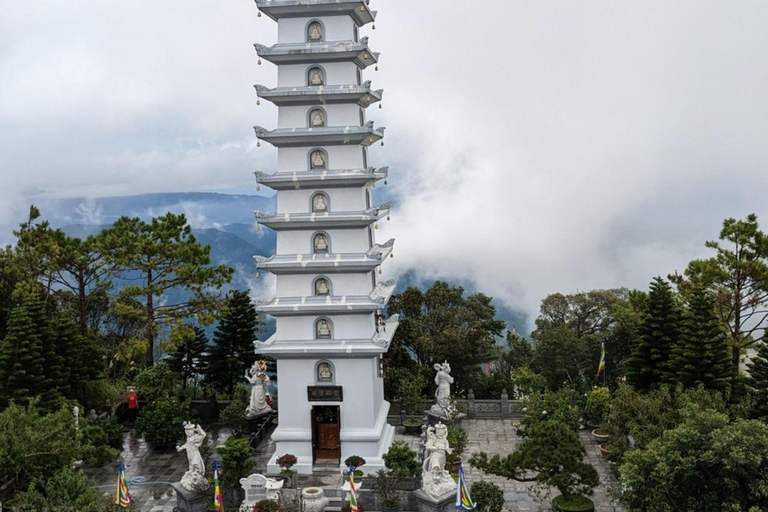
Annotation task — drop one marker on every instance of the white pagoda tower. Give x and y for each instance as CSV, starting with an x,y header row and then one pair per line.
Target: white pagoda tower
x,y
330,333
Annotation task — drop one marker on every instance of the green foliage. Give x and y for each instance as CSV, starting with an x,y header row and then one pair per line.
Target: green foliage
x,y
21,361
95,445
266,506
355,461
549,406
188,358
598,404
758,378
401,460
457,440
526,382
659,332
112,430
738,277
66,490
161,422
411,393
159,256
232,352
157,382
564,359
706,464
487,496
702,356
576,504
554,451
442,324
233,417
34,445
236,456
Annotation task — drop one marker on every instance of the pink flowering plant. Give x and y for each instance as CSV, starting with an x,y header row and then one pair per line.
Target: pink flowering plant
x,y
286,462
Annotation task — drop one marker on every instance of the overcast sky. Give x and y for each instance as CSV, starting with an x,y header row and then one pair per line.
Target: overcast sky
x,y
535,146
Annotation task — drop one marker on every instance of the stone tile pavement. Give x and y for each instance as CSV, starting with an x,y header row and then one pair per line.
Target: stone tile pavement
x,y
496,436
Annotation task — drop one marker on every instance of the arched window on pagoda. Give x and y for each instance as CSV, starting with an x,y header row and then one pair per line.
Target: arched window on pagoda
x,y
315,32
321,287
320,203
318,159
321,244
315,76
323,329
317,118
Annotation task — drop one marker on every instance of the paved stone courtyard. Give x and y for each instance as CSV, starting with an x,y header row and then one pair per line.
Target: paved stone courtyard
x,y
150,472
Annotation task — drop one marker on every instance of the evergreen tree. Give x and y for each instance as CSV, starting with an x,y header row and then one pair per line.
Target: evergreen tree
x,y
21,362
702,356
52,372
659,333
758,378
233,350
79,357
189,357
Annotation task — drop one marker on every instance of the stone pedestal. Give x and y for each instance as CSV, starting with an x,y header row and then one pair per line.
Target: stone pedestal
x,y
188,501
426,503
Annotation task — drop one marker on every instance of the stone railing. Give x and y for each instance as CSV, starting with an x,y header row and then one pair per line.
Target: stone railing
x,y
499,408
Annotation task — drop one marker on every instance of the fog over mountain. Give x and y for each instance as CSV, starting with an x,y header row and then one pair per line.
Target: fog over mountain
x,y
534,147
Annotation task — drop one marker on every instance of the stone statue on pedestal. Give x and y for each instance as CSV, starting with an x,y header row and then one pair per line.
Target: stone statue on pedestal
x,y
443,379
194,479
436,480
258,377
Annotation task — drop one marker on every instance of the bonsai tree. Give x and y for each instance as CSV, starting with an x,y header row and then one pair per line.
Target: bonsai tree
x,y
385,487
355,462
554,453
401,460
488,496
457,439
598,403
286,462
550,406
411,399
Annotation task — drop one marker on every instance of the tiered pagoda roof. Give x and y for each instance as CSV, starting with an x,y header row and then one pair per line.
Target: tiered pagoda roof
x,y
363,95
277,9
326,263
321,136
319,53
329,304
378,343
321,178
327,220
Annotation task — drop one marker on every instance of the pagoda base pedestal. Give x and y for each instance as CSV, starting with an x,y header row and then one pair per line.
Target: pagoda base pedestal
x,y
426,503
189,501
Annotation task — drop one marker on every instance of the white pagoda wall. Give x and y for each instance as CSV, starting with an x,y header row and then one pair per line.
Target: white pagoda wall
x,y
337,115
341,199
339,157
345,327
336,28
341,284
342,241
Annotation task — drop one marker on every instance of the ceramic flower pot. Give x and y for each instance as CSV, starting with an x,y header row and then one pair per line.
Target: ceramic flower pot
x,y
314,499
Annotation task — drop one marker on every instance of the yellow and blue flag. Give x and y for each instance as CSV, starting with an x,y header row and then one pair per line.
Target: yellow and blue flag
x,y
601,365
463,499
352,491
218,499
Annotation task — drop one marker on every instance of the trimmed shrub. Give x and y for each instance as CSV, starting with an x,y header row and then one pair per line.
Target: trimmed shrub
x,y
487,496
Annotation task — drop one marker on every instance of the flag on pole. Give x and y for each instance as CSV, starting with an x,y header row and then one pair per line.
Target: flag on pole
x,y
601,366
218,499
463,499
122,496
352,491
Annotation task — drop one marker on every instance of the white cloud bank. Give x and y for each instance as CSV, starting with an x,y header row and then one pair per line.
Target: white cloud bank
x,y
535,146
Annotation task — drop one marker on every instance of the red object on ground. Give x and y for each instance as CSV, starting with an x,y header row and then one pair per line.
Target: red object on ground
x,y
133,401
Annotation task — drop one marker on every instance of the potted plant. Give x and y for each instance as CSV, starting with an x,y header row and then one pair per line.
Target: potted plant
x,y
401,460
355,462
604,451
601,435
236,455
385,487
286,462
266,506
488,496
596,407
457,439
555,453
411,400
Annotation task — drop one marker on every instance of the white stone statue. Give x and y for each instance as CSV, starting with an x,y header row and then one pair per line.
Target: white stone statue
x,y
436,480
318,160
257,376
319,204
323,329
315,77
194,479
321,287
315,32
317,118
443,379
321,244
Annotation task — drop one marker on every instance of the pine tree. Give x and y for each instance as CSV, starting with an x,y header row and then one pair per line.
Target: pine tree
x,y
659,333
702,356
79,358
189,358
758,378
50,353
21,362
233,349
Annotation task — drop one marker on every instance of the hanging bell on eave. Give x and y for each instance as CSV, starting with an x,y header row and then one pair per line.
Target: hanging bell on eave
x,y
259,63
259,15
380,272
258,143
258,103
376,226
258,188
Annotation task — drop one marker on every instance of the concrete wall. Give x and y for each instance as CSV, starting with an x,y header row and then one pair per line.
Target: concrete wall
x,y
343,327
341,241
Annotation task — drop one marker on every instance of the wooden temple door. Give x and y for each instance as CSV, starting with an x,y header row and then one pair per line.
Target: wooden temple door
x,y
326,433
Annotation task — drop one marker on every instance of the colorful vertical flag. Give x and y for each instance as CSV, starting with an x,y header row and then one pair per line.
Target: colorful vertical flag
x,y
122,496
601,366
463,499
218,499
352,491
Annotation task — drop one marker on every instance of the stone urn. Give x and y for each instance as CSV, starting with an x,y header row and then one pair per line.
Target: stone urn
x,y
314,499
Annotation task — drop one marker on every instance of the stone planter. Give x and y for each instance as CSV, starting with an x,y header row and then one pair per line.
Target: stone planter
x,y
604,451
314,499
413,426
580,504
600,435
